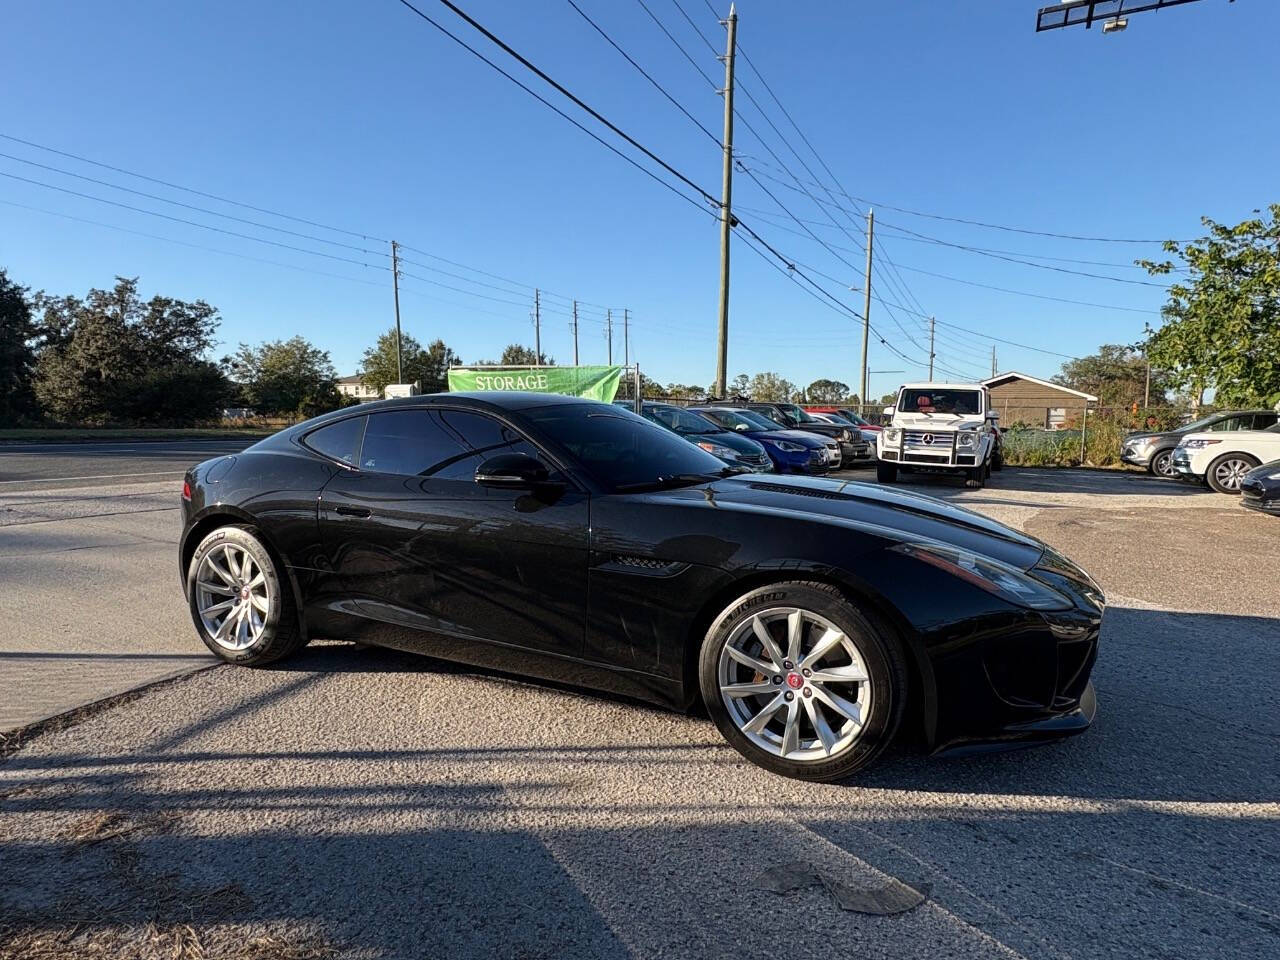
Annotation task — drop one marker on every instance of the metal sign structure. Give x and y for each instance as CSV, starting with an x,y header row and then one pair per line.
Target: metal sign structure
x,y
1085,12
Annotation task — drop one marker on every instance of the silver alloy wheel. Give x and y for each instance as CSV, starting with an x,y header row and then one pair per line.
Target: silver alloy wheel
x,y
232,596
806,703
1229,473
1163,464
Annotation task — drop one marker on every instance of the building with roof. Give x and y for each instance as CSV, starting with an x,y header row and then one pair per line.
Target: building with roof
x,y
1021,398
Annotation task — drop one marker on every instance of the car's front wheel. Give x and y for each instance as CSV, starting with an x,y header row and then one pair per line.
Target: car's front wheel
x,y
1161,465
1225,473
242,607
886,472
801,683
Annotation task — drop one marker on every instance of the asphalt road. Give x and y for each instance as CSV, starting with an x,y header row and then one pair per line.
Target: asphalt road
x,y
398,807
90,604
46,466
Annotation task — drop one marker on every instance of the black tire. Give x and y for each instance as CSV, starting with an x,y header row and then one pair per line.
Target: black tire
x,y
975,478
1241,462
280,634
1161,465
997,459
886,472
881,654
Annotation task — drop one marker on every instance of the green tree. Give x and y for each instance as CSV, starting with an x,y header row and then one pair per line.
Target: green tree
x,y
827,391
287,377
113,357
18,337
1116,375
1221,325
424,366
771,388
516,355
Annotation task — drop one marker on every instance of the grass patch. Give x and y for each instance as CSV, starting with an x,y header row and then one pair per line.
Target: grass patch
x,y
179,941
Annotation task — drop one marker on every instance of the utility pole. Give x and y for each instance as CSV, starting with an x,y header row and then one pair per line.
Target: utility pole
x,y
537,328
575,333
866,300
726,202
626,337
608,332
931,349
1146,393
395,284
993,360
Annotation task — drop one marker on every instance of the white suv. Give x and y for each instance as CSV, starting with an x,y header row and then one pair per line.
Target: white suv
x,y
940,428
1222,458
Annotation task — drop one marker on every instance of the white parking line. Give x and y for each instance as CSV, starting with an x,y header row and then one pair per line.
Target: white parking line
x,y
101,476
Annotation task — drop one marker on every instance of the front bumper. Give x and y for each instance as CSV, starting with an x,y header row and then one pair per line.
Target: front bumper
x,y
1182,464
1252,497
856,451
1136,456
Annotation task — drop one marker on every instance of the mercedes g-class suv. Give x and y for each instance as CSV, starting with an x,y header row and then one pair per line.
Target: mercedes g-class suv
x,y
940,428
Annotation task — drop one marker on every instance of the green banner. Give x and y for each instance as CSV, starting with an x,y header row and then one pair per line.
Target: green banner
x,y
595,383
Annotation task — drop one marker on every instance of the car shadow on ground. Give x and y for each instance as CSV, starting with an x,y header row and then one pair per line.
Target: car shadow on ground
x,y
315,803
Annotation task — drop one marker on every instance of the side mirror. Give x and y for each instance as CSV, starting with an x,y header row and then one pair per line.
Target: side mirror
x,y
993,415
514,471
887,411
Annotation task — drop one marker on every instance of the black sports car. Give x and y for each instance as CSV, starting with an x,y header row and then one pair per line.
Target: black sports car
x,y
1260,488
575,541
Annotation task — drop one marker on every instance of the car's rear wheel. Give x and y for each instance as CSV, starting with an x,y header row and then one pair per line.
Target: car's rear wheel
x,y
242,608
800,683
1225,473
886,472
997,460
1161,465
975,477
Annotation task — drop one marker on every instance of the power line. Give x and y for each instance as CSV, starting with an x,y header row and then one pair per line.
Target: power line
x,y
193,223
1024,293
199,193
191,206
528,65
659,87
1011,343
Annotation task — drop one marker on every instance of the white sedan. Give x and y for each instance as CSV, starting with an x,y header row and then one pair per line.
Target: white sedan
x,y
1221,459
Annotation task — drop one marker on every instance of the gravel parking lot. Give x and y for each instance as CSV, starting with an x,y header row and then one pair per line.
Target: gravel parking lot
x,y
370,804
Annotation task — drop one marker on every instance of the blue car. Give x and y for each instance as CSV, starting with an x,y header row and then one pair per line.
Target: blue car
x,y
733,448
792,451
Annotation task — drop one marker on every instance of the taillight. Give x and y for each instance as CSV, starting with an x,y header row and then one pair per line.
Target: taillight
x,y
186,491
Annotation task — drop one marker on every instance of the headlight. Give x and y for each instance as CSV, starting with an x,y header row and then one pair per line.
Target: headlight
x,y
846,435
716,450
891,435
789,447
1198,444
990,575
968,439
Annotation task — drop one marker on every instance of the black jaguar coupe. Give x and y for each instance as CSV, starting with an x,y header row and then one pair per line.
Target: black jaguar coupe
x,y
574,541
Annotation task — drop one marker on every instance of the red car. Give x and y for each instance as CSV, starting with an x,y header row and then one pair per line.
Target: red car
x,y
847,414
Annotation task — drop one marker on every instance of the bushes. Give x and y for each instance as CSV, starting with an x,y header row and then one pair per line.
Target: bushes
x,y
1061,448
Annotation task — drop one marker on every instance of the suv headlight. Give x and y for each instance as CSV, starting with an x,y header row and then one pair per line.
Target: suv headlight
x,y
1006,582
846,435
718,450
1198,444
967,439
892,435
789,447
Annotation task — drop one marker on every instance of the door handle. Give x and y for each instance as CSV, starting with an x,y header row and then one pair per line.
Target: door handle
x,y
347,511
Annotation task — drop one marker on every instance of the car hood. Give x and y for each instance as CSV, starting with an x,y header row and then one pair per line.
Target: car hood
x,y
894,514
938,421
1233,438
1144,434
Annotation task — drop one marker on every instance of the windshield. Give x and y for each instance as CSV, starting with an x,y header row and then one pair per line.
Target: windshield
x,y
800,414
621,450
853,418
759,421
729,419
930,401
1202,423
681,420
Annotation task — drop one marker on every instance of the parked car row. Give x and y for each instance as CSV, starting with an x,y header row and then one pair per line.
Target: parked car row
x,y
1154,450
766,437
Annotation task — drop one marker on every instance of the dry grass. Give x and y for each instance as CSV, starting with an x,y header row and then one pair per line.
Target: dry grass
x,y
110,824
179,941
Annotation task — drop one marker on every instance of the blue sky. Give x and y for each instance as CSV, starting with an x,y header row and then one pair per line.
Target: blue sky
x,y
360,115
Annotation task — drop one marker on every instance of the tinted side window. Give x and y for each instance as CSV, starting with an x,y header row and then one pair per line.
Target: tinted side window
x,y
482,437
340,441
1264,420
409,442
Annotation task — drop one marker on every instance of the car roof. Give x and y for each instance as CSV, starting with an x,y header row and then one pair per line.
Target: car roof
x,y
942,386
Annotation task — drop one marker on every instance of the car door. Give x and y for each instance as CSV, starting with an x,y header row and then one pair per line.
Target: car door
x,y
423,548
